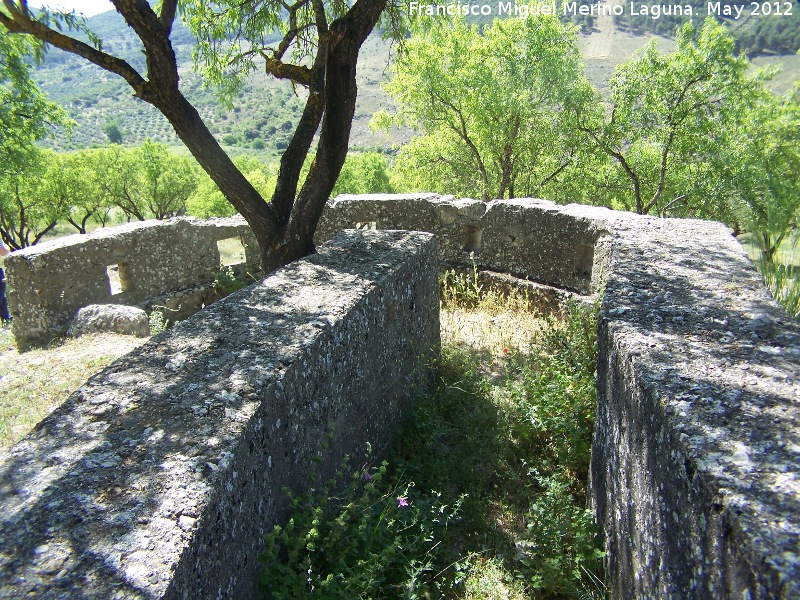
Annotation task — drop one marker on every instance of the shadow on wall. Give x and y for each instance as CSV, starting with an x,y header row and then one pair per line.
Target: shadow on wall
x,y
159,477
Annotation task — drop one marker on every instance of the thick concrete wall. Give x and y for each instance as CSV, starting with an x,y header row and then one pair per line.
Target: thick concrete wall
x,y
155,259
696,453
159,477
547,243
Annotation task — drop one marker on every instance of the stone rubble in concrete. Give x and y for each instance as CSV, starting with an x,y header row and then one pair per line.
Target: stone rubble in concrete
x,y
159,477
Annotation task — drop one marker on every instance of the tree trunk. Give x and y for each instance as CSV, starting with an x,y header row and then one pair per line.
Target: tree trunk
x,y
346,37
284,228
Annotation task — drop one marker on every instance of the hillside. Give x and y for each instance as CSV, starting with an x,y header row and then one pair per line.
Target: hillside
x,y
262,118
266,110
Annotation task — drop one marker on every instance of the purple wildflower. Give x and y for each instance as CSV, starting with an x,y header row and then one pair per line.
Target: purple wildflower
x,y
402,501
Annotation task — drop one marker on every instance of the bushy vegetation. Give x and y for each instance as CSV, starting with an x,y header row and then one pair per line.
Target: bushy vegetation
x,y
93,187
483,495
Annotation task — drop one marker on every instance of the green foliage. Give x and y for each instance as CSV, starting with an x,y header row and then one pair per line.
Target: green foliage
x,y
26,115
360,536
671,117
495,524
555,520
555,393
784,283
158,323
207,200
506,137
28,208
763,152
113,133
363,173
148,182
778,34
226,282
460,289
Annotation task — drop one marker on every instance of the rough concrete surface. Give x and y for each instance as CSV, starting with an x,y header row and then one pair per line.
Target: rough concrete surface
x,y
110,318
696,452
535,239
128,264
695,477
159,477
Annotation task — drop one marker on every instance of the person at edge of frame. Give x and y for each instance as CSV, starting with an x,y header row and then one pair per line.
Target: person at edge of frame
x,y
5,317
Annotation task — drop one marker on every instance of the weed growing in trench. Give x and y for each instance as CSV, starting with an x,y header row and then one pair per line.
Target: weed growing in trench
x,y
372,537
504,440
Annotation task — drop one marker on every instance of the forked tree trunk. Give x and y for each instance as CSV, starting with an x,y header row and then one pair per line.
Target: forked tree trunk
x,y
284,227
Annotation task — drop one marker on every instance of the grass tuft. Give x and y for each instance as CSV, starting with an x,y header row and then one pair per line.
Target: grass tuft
x,y
494,461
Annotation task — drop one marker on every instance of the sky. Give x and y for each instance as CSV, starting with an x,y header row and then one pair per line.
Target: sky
x,y
89,8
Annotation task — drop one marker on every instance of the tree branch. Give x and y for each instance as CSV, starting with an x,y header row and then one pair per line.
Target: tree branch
x,y
20,22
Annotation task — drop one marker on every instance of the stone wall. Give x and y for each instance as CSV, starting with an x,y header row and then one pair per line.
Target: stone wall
x,y
155,262
159,477
535,239
696,453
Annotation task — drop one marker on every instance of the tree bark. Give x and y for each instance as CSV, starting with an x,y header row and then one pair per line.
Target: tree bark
x,y
347,34
284,228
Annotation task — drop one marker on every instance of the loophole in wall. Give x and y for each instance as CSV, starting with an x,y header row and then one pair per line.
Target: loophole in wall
x,y
231,251
472,238
119,278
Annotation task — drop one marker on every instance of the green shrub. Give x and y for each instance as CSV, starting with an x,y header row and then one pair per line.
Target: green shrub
x,y
461,288
226,282
505,442
783,282
373,538
158,323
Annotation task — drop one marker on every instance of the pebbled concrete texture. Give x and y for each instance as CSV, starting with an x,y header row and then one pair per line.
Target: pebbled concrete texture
x,y
528,238
171,262
696,455
159,477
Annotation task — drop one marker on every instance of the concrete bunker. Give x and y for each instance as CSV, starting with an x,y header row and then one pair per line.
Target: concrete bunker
x,y
54,279
697,436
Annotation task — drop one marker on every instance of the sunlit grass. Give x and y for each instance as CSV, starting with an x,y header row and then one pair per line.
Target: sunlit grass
x,y
34,383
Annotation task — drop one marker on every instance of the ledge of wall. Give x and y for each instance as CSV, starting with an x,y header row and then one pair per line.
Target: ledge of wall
x,y
52,280
695,478
696,452
159,477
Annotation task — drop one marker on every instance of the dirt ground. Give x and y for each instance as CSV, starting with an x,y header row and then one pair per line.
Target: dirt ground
x,y
34,383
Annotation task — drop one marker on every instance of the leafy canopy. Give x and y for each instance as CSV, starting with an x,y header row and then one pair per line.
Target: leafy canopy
x,y
490,103
669,116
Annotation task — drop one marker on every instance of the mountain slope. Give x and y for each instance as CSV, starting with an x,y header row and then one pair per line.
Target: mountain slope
x,y
263,116
266,110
